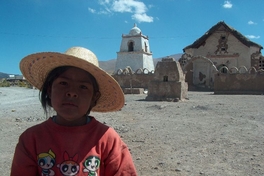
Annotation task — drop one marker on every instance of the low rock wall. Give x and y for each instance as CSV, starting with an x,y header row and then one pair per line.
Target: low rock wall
x,y
239,83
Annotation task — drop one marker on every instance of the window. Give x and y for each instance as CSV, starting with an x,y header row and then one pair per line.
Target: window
x,y
223,48
261,63
165,78
222,68
130,46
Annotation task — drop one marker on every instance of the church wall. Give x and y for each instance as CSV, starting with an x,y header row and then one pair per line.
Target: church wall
x,y
201,72
148,62
254,49
237,54
143,41
209,47
138,44
189,76
235,46
137,41
123,45
134,60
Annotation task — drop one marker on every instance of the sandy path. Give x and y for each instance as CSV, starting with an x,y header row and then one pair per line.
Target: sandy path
x,y
205,135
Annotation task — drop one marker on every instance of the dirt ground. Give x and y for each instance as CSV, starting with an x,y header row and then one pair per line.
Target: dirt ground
x,y
206,134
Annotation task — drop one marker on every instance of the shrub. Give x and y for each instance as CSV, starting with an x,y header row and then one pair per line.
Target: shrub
x,y
4,83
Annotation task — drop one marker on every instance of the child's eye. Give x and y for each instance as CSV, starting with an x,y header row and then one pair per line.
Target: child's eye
x,y
63,83
83,87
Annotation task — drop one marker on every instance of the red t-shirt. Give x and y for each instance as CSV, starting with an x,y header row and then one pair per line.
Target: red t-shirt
x,y
93,149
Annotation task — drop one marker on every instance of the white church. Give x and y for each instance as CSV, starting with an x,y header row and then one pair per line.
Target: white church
x,y
134,52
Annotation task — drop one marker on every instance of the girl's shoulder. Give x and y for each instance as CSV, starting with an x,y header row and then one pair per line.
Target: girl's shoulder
x,y
36,128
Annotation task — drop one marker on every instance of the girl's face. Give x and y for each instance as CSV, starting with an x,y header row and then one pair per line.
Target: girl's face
x,y
71,95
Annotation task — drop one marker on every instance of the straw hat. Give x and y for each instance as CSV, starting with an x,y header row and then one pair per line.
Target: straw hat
x,y
36,67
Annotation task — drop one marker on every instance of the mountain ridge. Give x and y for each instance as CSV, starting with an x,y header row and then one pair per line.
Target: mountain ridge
x,y
109,65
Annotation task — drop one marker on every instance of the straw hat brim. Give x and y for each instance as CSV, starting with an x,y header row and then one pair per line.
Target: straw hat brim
x,y
36,67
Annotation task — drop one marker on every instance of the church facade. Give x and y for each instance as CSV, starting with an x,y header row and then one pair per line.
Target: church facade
x,y
134,52
222,49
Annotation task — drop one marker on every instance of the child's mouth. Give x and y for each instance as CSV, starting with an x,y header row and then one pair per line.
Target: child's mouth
x,y
70,104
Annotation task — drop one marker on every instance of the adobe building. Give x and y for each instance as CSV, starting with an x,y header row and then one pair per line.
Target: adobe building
x,y
221,47
134,52
168,83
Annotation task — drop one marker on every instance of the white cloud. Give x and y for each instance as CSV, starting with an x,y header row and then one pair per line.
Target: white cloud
x,y
227,5
137,8
252,36
91,10
105,11
103,2
142,17
251,22
125,6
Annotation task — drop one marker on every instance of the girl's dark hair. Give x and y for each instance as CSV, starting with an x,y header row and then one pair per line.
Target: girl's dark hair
x,y
54,74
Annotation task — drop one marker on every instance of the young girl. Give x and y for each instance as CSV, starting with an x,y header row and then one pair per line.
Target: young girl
x,y
72,142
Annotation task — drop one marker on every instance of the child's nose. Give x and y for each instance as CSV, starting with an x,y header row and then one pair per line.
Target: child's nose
x,y
72,94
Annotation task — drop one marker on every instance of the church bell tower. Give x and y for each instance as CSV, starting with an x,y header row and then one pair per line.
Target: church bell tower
x,y
134,52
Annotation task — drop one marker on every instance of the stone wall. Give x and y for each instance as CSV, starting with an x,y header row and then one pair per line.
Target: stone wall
x,y
239,83
133,90
168,83
134,80
167,91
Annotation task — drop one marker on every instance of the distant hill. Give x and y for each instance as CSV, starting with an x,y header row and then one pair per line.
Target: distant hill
x,y
109,66
4,75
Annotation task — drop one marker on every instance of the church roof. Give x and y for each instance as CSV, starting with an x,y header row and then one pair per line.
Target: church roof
x,y
237,34
135,30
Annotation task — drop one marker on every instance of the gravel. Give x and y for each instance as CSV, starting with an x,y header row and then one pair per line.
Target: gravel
x,y
206,134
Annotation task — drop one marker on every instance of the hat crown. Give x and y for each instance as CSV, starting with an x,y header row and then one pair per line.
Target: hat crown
x,y
84,54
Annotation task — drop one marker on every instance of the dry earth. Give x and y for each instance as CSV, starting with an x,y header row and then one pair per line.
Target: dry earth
x,y
205,135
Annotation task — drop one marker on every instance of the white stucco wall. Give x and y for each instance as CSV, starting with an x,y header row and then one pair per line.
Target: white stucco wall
x,y
138,41
140,57
134,60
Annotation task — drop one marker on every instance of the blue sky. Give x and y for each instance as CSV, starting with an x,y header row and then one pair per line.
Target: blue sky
x,y
30,26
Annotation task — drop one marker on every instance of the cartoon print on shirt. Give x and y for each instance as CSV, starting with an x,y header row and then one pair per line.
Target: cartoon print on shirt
x,y
69,167
91,164
46,161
